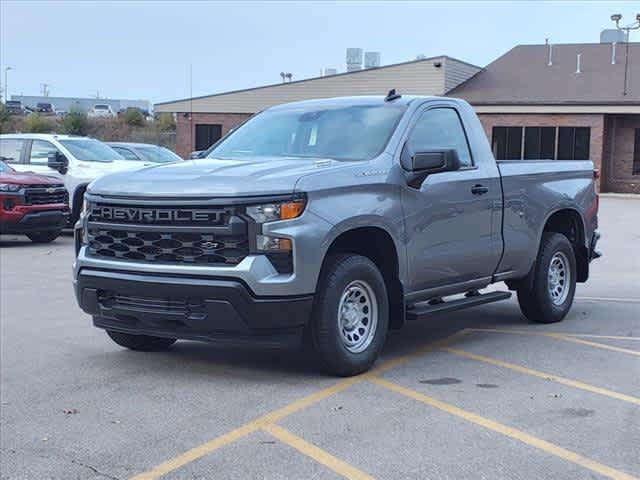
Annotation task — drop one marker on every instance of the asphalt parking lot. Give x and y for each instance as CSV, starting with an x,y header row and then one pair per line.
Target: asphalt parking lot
x,y
480,393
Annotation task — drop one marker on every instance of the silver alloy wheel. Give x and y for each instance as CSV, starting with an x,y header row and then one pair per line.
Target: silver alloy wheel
x,y
559,278
357,316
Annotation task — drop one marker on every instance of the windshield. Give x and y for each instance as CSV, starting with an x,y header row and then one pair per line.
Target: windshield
x,y
346,133
5,168
89,150
157,154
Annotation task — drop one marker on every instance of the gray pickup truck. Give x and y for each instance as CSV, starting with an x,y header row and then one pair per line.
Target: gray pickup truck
x,y
326,223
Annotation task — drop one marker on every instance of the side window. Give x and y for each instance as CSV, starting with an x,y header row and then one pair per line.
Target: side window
x,y
441,128
40,150
126,153
11,150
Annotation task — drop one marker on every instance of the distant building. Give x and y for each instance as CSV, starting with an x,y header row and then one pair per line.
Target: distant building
x,y
83,104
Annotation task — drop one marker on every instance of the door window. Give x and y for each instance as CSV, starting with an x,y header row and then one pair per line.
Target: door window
x,y
440,128
126,153
40,150
11,150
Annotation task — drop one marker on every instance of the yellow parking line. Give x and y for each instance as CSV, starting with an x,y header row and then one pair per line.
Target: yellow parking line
x,y
589,335
276,415
559,336
546,376
594,344
610,299
319,455
510,432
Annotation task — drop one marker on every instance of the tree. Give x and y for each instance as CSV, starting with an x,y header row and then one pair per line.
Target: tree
x,y
5,116
75,122
133,117
37,124
165,122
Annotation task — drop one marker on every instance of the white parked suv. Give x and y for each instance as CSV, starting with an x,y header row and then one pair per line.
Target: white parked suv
x,y
76,160
101,110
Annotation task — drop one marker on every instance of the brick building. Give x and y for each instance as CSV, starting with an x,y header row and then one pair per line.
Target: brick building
x,y
536,101
564,102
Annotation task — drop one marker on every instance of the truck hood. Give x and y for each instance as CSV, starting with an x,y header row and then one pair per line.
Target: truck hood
x,y
214,177
28,178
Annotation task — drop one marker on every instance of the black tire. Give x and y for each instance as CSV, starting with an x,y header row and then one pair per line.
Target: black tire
x,y
142,343
76,207
340,272
47,236
537,303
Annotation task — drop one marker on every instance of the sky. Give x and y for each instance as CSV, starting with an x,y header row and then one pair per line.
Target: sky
x,y
144,49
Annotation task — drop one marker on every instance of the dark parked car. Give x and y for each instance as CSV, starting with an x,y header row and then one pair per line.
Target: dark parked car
x,y
14,107
144,152
46,108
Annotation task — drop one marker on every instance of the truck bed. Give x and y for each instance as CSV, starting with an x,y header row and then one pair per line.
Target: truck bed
x,y
536,188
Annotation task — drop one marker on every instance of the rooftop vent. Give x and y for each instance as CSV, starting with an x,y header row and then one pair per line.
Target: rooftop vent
x,y
613,35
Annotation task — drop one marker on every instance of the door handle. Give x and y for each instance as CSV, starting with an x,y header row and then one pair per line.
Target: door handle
x,y
479,189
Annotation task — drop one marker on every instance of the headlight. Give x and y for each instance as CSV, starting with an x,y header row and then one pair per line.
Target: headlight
x,y
270,212
9,187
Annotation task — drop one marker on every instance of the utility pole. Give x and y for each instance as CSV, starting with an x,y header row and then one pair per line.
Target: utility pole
x,y
6,84
632,26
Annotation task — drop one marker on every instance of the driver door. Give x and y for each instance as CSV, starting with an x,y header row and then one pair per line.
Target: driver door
x,y
449,233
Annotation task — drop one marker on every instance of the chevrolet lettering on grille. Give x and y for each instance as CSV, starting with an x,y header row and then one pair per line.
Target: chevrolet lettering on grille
x,y
153,215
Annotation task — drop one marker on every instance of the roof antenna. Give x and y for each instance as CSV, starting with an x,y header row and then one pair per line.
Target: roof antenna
x,y
392,95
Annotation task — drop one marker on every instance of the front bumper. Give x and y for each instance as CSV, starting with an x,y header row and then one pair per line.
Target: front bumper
x,y
208,309
37,221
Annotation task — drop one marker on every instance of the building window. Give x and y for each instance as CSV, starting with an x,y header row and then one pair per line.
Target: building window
x,y
507,143
573,143
207,135
539,143
636,153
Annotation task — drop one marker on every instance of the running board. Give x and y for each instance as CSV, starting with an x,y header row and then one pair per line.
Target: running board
x,y
424,309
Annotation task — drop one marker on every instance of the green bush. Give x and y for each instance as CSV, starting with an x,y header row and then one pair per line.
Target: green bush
x,y
133,117
37,124
165,122
75,122
5,116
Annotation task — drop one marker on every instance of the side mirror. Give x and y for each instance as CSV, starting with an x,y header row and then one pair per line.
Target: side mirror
x,y
430,161
57,161
195,155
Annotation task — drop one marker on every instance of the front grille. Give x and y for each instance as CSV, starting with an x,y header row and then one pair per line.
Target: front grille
x,y
169,235
45,194
111,299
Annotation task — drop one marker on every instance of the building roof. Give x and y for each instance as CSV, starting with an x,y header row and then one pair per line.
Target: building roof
x,y
523,76
429,76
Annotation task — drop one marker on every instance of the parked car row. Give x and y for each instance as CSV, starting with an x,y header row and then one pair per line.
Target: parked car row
x,y
99,110
66,164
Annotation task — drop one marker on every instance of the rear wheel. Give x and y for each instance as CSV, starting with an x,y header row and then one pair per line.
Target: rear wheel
x,y
44,237
350,316
554,281
143,343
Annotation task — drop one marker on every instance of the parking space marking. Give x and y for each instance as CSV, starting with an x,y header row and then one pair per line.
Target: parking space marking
x,y
589,335
276,415
546,376
316,453
560,336
519,435
609,299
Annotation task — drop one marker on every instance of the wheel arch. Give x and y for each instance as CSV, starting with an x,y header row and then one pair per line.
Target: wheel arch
x,y
569,222
377,244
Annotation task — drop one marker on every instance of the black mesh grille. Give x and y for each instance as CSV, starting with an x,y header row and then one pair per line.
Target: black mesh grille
x,y
45,195
168,247
175,235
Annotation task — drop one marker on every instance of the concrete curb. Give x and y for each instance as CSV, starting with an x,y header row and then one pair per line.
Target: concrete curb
x,y
633,196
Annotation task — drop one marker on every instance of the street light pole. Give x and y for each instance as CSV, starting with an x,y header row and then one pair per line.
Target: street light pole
x,y
632,26
6,84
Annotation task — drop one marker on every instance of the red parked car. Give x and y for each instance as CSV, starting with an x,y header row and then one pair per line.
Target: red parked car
x,y
34,205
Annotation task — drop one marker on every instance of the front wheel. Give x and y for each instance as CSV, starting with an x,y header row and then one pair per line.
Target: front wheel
x,y
350,315
143,343
44,237
554,281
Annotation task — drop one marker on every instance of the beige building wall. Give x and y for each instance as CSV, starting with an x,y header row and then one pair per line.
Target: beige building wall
x,y
421,77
